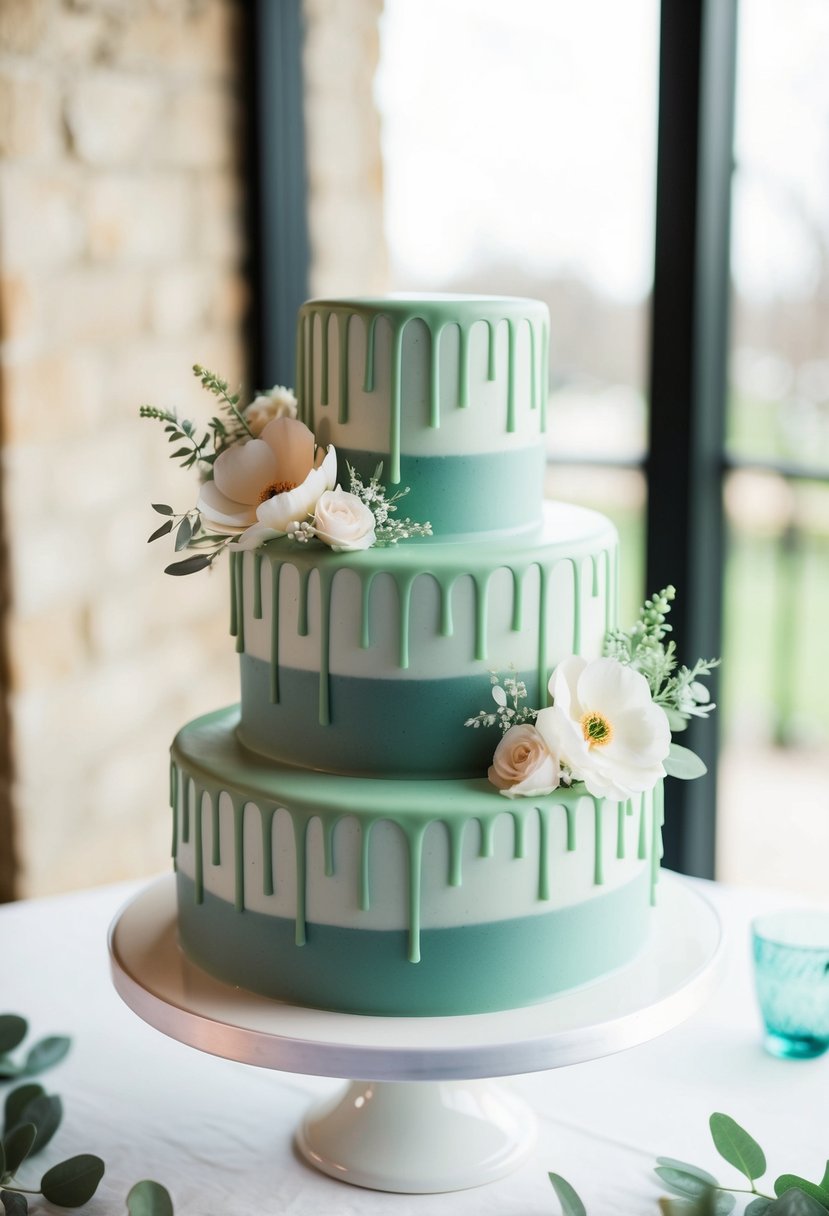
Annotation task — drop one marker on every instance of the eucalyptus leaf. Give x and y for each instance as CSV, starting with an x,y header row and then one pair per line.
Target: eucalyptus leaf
x,y
166,527
571,1205
162,508
46,1053
786,1181
72,1183
677,721
9,1069
795,1202
12,1031
14,1204
149,1198
189,566
683,763
46,1112
185,531
16,1103
758,1206
682,1207
18,1145
737,1147
684,1180
824,1182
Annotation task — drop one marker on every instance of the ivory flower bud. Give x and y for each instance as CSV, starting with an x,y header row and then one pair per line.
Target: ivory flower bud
x,y
343,521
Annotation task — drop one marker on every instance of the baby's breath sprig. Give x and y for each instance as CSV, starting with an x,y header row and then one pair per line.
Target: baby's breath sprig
x,y
382,504
508,711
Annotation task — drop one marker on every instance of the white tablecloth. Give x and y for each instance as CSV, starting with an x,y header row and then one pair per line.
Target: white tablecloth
x,y
219,1134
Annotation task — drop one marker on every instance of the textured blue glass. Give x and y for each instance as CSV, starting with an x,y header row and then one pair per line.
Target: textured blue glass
x,y
793,991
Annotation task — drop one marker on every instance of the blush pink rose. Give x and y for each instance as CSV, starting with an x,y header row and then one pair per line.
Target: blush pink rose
x,y
523,765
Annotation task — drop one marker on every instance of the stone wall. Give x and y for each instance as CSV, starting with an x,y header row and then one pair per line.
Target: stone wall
x,y
121,251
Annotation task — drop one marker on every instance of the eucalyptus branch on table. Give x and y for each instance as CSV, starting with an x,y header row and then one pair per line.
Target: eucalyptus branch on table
x,y
30,1119
702,1195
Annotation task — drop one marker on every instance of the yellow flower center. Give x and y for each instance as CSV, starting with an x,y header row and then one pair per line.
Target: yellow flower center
x,y
277,487
597,730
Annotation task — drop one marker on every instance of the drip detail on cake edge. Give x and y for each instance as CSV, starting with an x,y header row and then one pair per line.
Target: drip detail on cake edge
x,y
208,762
437,316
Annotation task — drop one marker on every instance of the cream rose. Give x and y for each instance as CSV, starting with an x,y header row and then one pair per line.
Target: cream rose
x,y
278,402
605,727
523,764
343,521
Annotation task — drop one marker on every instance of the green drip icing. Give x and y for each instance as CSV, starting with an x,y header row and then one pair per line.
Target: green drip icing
x,y
594,584
276,571
490,358
447,625
629,808
641,850
571,827
404,594
234,606
511,330
463,367
519,828
533,371
543,852
328,846
198,851
366,581
257,586
325,318
434,381
544,576
302,404
487,847
576,565
239,569
302,614
620,829
598,867
455,831
312,329
415,880
300,845
396,405
517,623
342,334
365,857
368,373
186,787
657,820
174,786
326,580
481,585
239,854
215,830
266,815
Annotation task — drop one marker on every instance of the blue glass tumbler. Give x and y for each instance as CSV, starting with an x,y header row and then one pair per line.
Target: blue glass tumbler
x,y
791,971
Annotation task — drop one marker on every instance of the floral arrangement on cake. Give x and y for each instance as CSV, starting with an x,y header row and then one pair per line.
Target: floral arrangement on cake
x,y
610,723
263,476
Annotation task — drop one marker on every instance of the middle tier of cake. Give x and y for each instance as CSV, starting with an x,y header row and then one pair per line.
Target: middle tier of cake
x,y
371,662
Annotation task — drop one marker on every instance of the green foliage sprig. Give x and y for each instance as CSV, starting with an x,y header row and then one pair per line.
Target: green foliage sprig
x,y
700,1194
509,711
30,1119
382,505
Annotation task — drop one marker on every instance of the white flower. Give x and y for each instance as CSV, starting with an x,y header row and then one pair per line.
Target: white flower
x,y
278,402
605,727
259,486
343,521
523,764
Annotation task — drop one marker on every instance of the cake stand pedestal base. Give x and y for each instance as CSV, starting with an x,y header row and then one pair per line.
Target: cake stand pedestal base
x,y
418,1138
427,1118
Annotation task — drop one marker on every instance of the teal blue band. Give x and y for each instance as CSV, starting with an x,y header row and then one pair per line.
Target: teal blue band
x,y
367,719
465,969
457,494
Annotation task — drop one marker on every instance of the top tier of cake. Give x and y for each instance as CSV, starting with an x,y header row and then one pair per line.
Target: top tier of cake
x,y
448,392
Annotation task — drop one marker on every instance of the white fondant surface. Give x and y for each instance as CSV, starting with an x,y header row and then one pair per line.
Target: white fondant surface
x,y
492,888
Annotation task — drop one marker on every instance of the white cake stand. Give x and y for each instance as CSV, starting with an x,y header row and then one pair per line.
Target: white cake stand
x,y
455,1128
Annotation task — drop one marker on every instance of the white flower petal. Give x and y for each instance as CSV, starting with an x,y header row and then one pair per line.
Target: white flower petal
x,y
611,687
243,470
293,447
222,513
254,536
564,683
296,505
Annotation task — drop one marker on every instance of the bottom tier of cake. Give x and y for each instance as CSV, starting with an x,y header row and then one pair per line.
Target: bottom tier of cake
x,y
400,897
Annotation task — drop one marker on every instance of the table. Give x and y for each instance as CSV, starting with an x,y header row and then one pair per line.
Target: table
x,y
219,1134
